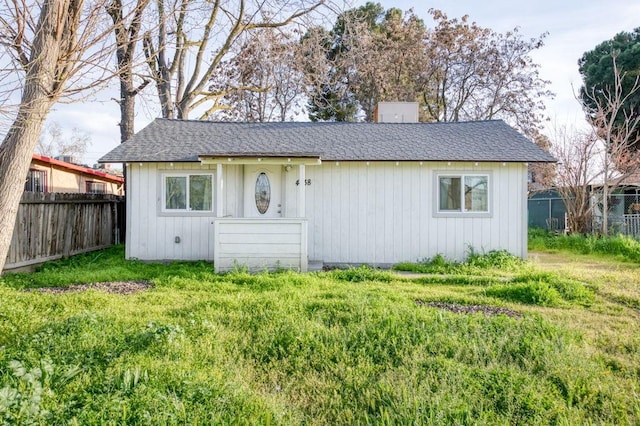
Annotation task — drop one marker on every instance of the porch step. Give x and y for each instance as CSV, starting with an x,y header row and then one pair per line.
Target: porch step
x,y
315,265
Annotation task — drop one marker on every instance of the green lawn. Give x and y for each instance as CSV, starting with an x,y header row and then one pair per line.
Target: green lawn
x,y
340,347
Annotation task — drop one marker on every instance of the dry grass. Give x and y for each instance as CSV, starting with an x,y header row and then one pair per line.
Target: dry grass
x,y
612,325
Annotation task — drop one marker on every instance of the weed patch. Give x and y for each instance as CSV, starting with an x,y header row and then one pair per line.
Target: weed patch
x,y
567,289
475,262
104,266
620,246
532,293
361,274
497,259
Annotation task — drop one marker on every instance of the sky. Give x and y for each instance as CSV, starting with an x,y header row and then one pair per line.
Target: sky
x,y
573,27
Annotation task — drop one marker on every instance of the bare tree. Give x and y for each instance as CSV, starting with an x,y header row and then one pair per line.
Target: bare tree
x,y
542,174
604,111
55,142
474,73
457,70
370,55
179,52
262,81
576,172
56,43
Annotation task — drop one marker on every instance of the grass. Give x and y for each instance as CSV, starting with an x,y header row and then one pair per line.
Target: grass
x,y
619,246
338,347
475,263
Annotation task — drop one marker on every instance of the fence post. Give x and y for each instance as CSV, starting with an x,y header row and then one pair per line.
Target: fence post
x,y
68,230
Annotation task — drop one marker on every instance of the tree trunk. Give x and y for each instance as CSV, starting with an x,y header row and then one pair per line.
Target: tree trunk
x,y
182,108
41,90
605,208
605,197
164,94
127,39
127,109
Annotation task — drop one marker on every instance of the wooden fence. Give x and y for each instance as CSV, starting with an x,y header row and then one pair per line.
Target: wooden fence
x,y
55,225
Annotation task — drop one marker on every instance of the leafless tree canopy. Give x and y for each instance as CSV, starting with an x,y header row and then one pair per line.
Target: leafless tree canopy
x,y
262,80
620,136
55,141
593,163
475,73
578,169
457,70
192,39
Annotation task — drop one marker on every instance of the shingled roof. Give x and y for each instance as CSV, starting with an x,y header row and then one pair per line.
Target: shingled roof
x,y
185,140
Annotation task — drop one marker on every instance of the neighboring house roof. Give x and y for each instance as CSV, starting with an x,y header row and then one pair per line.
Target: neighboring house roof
x,y
632,180
186,140
74,168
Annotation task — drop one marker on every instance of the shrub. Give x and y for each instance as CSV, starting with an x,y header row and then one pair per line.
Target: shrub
x,y
538,238
361,274
543,288
497,259
500,259
437,264
530,293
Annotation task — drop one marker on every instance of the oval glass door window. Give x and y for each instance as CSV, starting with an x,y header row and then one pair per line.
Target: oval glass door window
x,y
263,193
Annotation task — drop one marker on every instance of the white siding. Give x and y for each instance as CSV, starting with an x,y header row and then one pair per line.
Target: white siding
x,y
260,244
380,213
383,213
151,235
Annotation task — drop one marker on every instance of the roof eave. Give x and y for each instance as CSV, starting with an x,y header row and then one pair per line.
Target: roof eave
x,y
278,159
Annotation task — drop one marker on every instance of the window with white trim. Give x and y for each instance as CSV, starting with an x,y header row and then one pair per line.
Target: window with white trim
x,y
463,193
93,187
187,192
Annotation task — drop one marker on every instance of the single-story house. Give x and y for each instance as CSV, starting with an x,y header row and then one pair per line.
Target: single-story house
x,y
48,174
291,194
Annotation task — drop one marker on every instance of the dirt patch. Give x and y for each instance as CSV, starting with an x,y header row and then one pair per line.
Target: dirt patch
x,y
470,309
117,287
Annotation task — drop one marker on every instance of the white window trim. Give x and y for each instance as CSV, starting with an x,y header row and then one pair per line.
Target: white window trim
x,y
163,211
462,174
89,183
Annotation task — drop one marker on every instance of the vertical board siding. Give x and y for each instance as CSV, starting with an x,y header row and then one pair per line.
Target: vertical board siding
x,y
54,225
260,244
151,234
382,213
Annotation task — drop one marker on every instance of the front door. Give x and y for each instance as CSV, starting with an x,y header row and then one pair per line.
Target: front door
x,y
262,194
